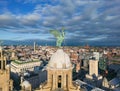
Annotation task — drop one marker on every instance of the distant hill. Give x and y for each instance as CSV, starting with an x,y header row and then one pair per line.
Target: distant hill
x,y
53,43
26,42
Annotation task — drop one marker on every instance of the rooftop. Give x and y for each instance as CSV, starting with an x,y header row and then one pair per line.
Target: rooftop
x,y
60,60
23,62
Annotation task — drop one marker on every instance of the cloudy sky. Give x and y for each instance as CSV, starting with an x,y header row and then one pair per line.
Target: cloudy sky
x,y
85,21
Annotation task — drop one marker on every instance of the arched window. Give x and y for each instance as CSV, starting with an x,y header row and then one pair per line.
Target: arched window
x,y
67,80
59,81
0,64
4,64
0,89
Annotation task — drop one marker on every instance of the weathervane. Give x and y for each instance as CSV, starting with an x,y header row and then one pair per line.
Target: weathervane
x,y
60,36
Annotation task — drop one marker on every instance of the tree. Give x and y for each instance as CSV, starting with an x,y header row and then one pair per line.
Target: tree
x,y
103,64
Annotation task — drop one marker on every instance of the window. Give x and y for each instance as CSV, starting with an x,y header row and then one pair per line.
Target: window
x,y
0,64
4,64
67,80
0,89
9,88
59,81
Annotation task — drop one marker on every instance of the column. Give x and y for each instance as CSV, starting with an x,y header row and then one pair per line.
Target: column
x,y
70,77
54,82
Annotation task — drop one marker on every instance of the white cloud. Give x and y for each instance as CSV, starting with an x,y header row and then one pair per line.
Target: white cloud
x,y
8,20
96,38
110,17
29,19
91,17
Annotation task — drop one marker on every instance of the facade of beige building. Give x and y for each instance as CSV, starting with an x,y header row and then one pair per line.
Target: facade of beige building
x,y
6,84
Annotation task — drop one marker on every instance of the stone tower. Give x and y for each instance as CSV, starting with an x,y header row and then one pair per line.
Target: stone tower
x,y
5,83
34,47
13,55
93,70
93,67
59,76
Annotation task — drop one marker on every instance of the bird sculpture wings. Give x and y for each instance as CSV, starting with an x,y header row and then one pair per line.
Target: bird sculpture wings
x,y
56,33
59,36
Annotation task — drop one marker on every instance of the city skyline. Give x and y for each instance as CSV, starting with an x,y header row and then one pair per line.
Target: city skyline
x,y
85,21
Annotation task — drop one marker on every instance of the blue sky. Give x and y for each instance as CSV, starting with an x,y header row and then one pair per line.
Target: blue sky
x,y
85,21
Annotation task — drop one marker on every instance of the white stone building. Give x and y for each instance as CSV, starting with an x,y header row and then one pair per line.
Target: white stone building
x,y
18,67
